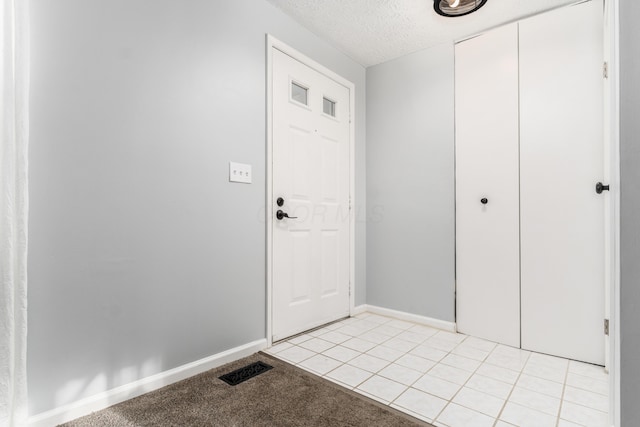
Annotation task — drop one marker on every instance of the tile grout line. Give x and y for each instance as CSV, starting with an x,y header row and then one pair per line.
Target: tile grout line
x,y
407,387
515,383
564,387
422,375
562,399
407,352
465,383
449,401
415,345
355,388
461,386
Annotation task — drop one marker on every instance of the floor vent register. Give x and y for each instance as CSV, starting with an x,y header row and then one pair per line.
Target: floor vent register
x,y
247,372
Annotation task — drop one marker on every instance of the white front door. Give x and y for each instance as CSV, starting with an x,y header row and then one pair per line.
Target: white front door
x,y
561,145
311,176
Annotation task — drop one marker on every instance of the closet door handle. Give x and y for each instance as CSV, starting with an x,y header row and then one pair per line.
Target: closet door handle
x,y
601,187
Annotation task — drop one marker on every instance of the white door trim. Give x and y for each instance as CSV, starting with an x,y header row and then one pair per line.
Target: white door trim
x,y
273,43
612,145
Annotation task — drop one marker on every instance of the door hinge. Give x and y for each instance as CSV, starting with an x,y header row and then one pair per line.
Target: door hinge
x,y
606,326
605,70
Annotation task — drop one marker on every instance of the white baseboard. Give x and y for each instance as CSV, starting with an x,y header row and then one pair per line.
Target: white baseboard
x,y
103,400
358,309
422,320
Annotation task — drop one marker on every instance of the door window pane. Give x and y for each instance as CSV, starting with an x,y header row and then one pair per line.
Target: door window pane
x,y
299,93
329,107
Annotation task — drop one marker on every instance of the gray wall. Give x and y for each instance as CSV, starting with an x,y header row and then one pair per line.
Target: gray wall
x,y
410,184
142,256
629,212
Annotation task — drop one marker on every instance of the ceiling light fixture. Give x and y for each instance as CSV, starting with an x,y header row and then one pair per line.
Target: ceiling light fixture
x,y
453,8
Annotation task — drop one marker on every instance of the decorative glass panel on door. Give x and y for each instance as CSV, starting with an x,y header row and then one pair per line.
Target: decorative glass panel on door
x,y
329,107
299,93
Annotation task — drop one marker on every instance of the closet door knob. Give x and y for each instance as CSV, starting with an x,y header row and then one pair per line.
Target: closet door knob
x,y
600,188
484,200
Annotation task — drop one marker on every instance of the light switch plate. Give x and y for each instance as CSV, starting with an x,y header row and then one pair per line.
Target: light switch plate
x,y
239,172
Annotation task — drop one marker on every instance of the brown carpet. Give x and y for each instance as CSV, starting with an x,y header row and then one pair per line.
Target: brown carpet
x,y
282,396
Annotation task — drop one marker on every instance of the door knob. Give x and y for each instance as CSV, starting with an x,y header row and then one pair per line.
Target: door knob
x,y
280,201
281,215
600,188
484,200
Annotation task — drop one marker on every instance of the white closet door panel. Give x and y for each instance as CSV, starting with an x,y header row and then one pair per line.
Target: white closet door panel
x,y
561,143
487,246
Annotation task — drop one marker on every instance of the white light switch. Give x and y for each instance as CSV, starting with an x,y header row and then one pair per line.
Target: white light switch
x,y
239,172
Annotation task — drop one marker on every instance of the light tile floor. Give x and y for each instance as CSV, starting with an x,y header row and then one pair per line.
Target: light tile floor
x,y
451,380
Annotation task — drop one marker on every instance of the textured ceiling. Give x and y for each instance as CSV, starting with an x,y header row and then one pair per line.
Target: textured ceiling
x,y
375,31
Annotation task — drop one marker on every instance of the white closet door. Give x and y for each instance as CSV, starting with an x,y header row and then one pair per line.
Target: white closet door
x,y
487,244
561,143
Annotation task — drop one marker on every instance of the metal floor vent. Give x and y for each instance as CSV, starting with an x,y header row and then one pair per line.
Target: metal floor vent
x,y
241,375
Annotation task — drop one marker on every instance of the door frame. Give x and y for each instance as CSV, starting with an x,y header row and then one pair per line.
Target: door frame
x,y
271,44
612,169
